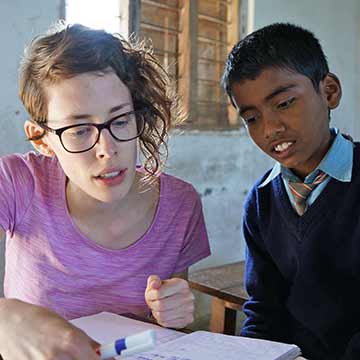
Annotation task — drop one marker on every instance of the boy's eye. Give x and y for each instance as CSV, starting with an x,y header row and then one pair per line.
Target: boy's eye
x,y
285,104
248,119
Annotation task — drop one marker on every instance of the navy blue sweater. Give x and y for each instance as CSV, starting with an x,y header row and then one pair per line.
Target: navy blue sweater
x,y
303,273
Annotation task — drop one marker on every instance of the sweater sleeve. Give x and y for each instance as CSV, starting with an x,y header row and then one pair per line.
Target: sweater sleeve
x,y
353,348
266,313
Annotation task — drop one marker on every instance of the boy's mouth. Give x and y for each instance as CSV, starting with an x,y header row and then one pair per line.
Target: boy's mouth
x,y
279,148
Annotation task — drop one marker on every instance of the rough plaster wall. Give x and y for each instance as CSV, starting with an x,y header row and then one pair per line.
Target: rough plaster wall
x,y
222,166
20,21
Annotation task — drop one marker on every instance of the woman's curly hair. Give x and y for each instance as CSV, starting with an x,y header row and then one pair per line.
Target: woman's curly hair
x,y
67,51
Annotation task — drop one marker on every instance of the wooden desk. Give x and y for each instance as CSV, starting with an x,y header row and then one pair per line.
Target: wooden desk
x,y
225,284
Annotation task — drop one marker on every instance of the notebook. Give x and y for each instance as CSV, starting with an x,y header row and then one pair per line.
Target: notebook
x,y
174,345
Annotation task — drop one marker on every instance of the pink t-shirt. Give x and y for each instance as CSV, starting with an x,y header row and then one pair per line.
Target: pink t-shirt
x,y
50,263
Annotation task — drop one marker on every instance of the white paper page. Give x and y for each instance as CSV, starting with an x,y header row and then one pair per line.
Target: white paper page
x,y
202,345
106,327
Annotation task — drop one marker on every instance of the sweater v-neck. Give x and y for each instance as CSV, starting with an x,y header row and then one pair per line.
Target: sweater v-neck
x,y
319,211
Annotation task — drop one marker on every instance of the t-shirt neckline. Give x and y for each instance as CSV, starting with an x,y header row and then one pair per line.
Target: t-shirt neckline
x,y
98,247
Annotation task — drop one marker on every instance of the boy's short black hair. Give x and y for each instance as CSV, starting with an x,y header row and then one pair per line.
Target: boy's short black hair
x,y
280,45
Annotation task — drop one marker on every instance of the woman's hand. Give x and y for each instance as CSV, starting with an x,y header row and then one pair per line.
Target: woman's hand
x,y
170,301
30,332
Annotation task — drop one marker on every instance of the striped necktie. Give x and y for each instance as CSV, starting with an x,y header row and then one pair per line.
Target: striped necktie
x,y
301,191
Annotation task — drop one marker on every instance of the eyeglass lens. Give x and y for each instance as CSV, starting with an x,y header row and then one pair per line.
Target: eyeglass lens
x,y
83,137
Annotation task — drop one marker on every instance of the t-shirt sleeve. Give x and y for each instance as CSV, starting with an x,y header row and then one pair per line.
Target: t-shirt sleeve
x,y
196,243
16,189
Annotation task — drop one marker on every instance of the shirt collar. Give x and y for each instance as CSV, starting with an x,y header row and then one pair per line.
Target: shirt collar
x,y
337,163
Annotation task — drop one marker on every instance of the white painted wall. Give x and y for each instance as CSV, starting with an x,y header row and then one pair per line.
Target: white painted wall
x,y
20,21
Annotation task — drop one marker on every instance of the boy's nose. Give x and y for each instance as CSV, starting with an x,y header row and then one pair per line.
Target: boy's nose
x,y
273,126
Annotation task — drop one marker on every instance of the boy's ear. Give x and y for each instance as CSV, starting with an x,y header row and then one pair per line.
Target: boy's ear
x,y
332,90
34,131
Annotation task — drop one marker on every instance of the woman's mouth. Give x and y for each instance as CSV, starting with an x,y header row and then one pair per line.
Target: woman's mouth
x,y
110,175
111,178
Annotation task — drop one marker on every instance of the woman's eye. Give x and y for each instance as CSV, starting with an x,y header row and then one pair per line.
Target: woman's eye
x,y
120,123
77,132
285,104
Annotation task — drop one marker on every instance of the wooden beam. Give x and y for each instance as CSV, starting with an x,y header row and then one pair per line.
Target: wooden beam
x,y
62,10
188,59
160,5
212,19
134,17
223,319
162,29
233,34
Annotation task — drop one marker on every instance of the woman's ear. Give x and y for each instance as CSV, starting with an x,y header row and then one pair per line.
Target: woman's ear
x,y
332,90
39,142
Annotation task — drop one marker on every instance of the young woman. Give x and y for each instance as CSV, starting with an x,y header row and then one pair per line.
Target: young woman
x,y
87,230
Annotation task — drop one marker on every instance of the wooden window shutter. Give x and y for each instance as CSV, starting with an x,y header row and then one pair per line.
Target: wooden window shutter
x,y
192,39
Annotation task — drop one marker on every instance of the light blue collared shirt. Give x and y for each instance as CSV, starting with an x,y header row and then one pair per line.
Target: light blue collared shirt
x,y
337,163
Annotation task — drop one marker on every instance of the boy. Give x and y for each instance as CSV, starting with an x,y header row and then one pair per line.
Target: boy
x,y
301,219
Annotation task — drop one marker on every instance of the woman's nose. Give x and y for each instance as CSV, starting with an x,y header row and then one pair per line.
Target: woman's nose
x,y
106,146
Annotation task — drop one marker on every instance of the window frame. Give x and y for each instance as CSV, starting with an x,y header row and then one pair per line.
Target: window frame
x,y
187,73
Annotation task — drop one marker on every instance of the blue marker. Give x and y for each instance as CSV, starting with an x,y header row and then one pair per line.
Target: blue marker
x,y
129,345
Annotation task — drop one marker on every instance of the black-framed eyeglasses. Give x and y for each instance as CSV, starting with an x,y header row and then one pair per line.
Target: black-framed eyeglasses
x,y
83,137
